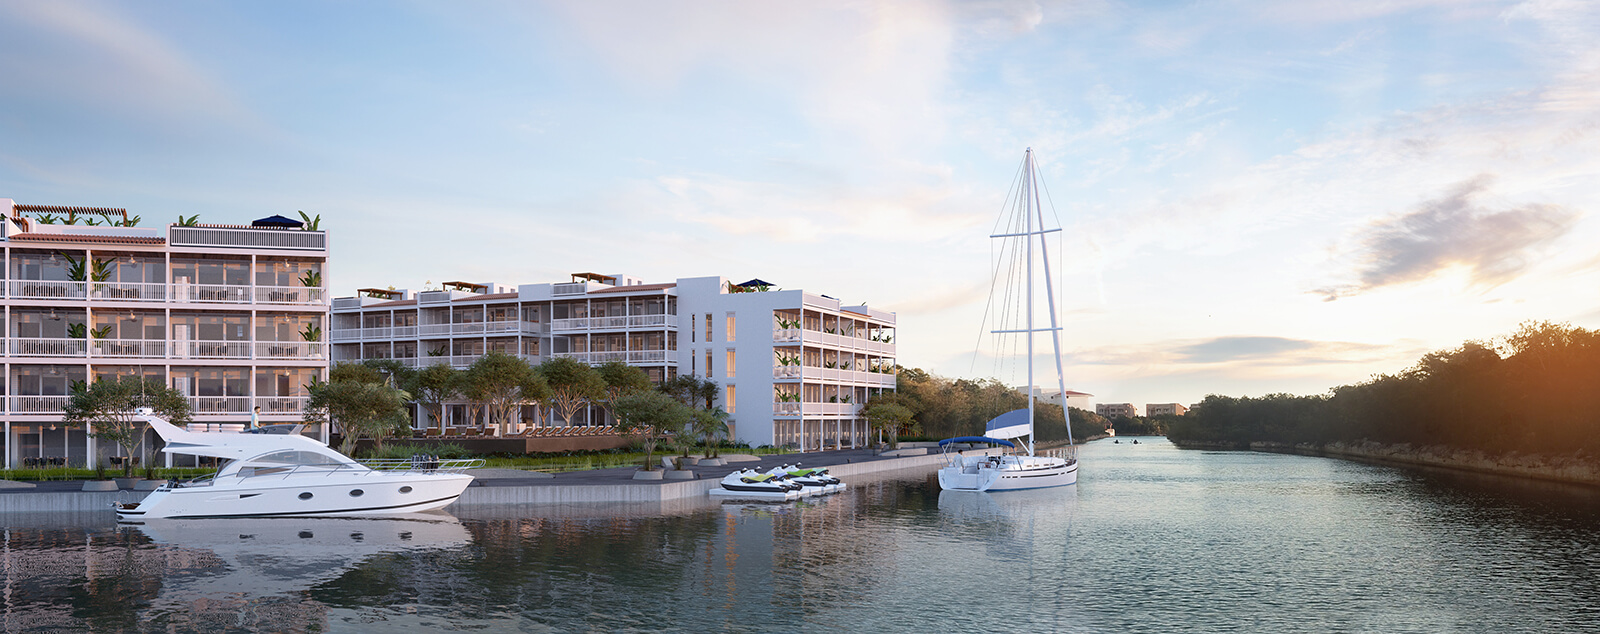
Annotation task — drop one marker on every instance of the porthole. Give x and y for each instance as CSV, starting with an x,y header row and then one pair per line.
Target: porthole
x,y
306,495
405,489
355,493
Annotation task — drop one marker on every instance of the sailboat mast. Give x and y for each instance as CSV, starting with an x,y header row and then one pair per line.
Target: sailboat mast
x,y
1028,201
1055,327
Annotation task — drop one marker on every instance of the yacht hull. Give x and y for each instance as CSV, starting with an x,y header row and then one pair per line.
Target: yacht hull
x,y
1009,475
372,493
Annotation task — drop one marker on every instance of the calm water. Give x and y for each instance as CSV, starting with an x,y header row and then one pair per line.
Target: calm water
x,y
1153,539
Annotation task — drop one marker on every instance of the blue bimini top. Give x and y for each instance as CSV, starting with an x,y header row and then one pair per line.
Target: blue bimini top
x,y
995,441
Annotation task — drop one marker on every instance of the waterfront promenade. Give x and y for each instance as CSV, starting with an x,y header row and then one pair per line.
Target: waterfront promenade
x,y
502,487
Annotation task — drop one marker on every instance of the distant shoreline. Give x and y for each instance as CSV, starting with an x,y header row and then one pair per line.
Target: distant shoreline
x,y
1575,469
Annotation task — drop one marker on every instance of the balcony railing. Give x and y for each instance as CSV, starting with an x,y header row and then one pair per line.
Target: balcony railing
x,y
128,348
22,347
792,410
614,323
211,293
38,404
128,291
282,404
288,295
631,356
820,338
288,350
204,405
211,349
43,289
162,292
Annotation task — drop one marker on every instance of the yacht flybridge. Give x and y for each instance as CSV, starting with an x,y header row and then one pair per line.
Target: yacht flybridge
x,y
273,472
1022,469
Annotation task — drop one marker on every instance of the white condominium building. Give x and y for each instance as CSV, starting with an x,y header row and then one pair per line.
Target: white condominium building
x,y
230,315
793,367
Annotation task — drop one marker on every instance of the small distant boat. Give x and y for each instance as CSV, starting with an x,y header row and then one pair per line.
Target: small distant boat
x,y
272,472
1025,469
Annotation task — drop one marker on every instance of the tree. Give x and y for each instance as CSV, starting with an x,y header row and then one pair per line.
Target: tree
x,y
503,383
652,417
709,426
888,417
107,407
573,385
374,410
431,387
692,391
621,379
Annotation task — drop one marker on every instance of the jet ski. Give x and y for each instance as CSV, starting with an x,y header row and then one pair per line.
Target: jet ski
x,y
817,477
749,484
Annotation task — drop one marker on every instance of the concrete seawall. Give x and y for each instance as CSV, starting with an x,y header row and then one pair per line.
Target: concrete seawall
x,y
627,492
1568,468
578,488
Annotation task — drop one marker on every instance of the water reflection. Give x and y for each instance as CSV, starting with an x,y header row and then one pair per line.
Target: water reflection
x,y
1152,539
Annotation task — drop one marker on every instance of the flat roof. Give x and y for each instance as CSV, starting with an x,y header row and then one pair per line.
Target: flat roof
x,y
80,237
636,287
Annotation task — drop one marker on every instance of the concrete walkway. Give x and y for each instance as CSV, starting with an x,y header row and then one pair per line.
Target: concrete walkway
x,y
499,487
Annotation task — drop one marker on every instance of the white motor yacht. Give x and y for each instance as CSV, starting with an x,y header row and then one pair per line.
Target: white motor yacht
x,y
276,472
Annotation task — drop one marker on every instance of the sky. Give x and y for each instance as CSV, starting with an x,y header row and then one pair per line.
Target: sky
x,y
1255,197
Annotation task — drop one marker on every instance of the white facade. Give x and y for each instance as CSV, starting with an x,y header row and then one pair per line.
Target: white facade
x,y
1072,398
1113,410
1165,409
219,312
798,382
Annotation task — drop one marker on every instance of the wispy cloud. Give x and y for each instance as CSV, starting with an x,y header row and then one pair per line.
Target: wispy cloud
x,y
107,60
1454,230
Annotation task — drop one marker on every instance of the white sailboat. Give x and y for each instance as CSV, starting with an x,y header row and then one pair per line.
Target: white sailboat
x,y
1022,469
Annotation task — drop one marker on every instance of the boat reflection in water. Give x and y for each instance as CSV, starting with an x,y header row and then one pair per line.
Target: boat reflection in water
x,y
1009,521
273,556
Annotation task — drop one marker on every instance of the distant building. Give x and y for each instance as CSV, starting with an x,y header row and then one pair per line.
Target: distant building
x,y
1113,410
1164,409
1079,400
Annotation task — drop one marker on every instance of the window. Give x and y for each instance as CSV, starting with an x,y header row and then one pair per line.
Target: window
x,y
731,364
729,399
708,333
692,370
728,328
709,372
694,325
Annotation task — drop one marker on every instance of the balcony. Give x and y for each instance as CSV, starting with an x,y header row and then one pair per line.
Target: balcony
x,y
796,336
291,295
47,348
214,405
288,350
128,348
128,291
282,404
38,404
651,322
42,289
796,410
833,375
161,292
645,357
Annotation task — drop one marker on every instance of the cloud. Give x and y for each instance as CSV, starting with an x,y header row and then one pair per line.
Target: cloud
x,y
1454,230
1183,355
96,57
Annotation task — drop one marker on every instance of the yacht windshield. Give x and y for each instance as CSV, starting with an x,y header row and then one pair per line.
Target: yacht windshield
x,y
280,462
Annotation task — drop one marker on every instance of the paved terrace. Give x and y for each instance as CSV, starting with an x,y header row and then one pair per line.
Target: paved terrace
x,y
503,487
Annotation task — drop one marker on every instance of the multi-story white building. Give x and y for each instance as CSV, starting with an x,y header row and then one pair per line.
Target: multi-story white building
x,y
1164,409
230,315
1113,410
793,367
